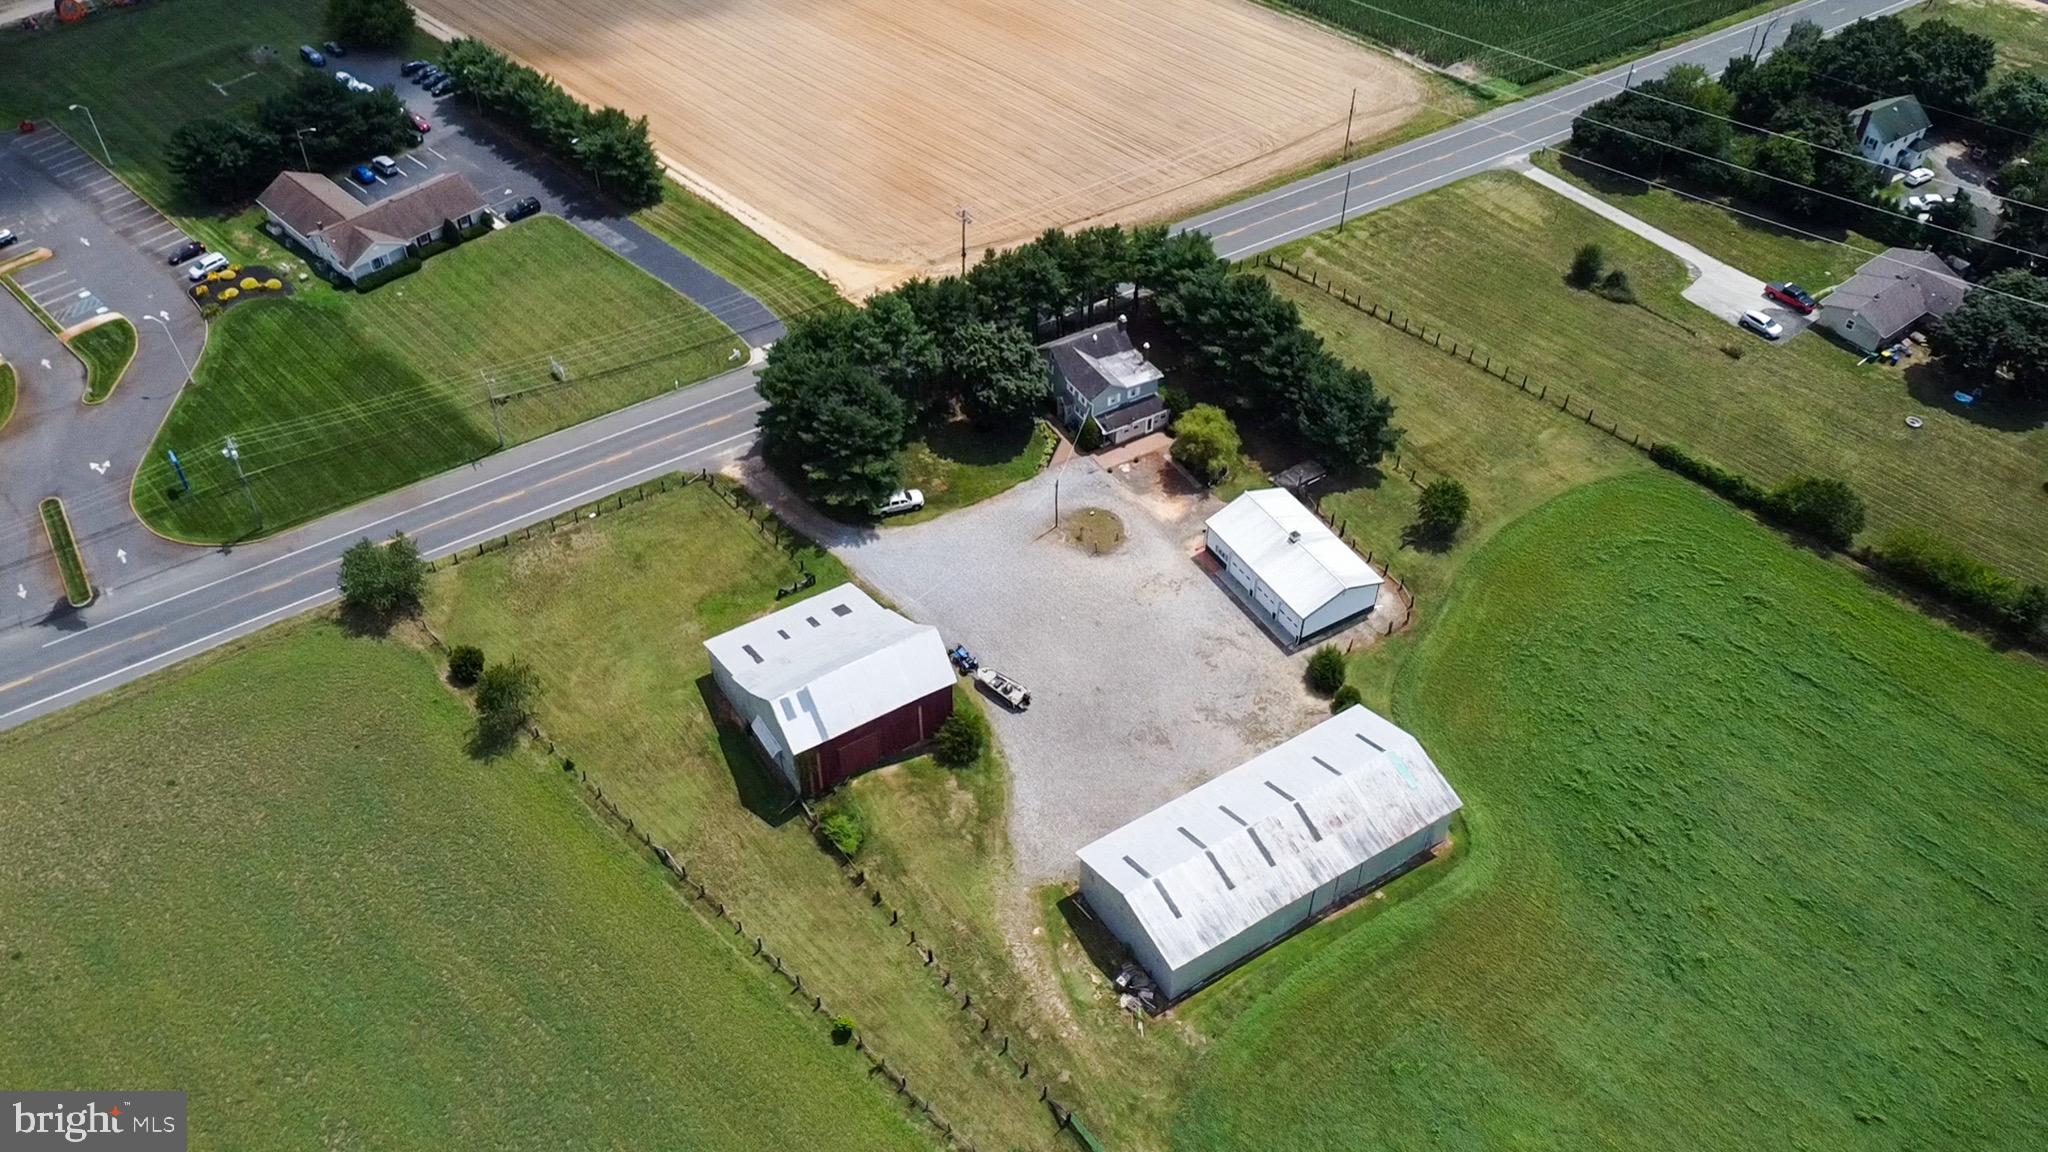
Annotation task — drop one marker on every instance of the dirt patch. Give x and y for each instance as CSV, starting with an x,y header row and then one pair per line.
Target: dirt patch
x,y
850,133
1096,531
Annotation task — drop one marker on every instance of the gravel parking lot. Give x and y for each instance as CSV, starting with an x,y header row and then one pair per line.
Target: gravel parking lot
x,y
1146,678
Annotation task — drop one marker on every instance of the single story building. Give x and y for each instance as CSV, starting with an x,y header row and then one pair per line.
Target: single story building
x,y
833,685
1215,875
355,239
1297,574
1889,296
1099,373
1889,132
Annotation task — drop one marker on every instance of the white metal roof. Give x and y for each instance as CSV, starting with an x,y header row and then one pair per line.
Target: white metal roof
x,y
1211,863
831,663
1291,549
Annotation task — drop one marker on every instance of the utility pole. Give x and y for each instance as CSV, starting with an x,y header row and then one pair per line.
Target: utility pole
x,y
300,133
234,455
164,318
491,399
1630,78
104,154
1346,205
966,218
1347,123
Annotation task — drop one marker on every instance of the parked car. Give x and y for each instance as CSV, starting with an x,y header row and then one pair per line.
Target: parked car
x,y
311,55
385,166
1762,324
1792,296
186,251
442,87
344,79
413,67
363,175
361,86
1919,176
1005,689
521,209
901,501
335,49
419,123
428,75
7,237
211,262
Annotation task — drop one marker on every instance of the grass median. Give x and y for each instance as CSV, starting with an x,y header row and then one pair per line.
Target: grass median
x,y
107,349
274,878
335,397
77,585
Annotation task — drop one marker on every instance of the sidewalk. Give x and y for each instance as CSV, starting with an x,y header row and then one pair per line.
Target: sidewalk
x,y
1718,287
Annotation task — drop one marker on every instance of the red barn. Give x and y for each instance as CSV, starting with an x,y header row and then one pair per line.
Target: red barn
x,y
834,685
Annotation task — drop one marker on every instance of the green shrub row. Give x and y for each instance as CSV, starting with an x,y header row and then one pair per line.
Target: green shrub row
x,y
606,145
1933,565
1821,506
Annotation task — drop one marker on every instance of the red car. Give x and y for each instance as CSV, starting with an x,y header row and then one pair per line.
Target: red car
x,y
419,122
1791,296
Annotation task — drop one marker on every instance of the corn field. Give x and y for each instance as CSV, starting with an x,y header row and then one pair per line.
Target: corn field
x,y
1522,41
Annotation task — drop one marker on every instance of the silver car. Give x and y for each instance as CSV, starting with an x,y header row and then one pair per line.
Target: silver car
x,y
1762,324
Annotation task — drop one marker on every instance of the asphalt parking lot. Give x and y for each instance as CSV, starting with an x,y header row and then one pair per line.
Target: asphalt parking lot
x,y
504,170
1145,677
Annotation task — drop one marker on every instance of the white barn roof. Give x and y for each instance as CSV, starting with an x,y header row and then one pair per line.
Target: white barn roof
x,y
1204,867
1290,549
829,664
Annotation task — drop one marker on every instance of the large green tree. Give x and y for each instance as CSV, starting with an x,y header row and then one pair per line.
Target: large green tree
x,y
1344,419
336,126
370,23
2000,334
999,372
1206,443
222,161
2017,103
833,424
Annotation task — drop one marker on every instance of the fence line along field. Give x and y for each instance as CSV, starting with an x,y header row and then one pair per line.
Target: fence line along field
x,y
850,133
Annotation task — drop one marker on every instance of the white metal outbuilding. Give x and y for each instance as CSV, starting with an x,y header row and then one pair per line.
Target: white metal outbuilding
x,y
1213,876
1297,574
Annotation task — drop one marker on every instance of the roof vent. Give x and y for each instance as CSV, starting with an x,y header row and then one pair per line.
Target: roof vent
x,y
1294,537
1164,895
1136,867
1261,846
1368,743
1280,790
749,650
1327,767
781,633
1232,815
842,609
1218,865
1314,832
812,621
1193,840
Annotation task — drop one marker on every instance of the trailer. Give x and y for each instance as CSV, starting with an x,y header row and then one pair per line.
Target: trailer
x,y
1003,688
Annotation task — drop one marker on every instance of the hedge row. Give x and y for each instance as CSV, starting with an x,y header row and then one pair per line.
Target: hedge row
x,y
1819,505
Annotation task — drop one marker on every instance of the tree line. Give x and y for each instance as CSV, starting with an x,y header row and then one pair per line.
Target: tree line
x,y
847,388
604,144
222,160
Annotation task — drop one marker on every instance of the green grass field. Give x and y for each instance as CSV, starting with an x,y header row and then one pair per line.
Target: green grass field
x,y
730,249
107,351
57,526
956,465
626,685
1528,34
1753,861
335,397
1484,260
2021,30
273,879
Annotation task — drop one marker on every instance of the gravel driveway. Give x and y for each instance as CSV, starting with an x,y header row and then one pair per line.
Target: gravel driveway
x,y
1145,677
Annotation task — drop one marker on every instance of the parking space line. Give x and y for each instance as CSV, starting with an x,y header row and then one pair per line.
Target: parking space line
x,y
437,152
29,286
424,166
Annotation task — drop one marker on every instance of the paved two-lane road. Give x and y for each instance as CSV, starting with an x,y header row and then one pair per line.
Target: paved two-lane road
x,y
210,597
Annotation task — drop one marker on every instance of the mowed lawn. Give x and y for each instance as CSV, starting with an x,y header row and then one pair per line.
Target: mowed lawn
x,y
335,397
614,613
957,464
1484,259
1753,861
2020,28
693,225
272,878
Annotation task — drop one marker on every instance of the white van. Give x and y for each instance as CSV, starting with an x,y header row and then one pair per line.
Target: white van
x,y
211,262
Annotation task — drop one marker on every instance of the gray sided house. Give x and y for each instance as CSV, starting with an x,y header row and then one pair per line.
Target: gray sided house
x,y
1889,296
1889,131
355,239
1214,876
1099,373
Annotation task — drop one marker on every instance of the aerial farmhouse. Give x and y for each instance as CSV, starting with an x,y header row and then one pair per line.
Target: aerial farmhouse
x,y
1219,873
1889,296
1099,374
833,685
354,239
1299,578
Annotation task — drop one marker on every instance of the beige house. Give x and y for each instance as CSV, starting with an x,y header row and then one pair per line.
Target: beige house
x,y
357,239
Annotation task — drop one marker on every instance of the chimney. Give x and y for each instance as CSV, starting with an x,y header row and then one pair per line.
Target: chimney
x,y
1121,320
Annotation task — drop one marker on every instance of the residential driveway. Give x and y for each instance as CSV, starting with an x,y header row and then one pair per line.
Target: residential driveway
x,y
109,249
1722,289
1146,678
505,169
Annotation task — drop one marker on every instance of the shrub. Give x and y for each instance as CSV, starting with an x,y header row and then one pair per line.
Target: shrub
x,y
248,284
1730,485
1441,510
961,739
505,696
230,293
199,291
1587,264
1176,400
382,581
1822,505
1616,288
1937,566
843,1029
1326,670
274,284
465,664
844,830
1090,436
1205,442
1346,697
